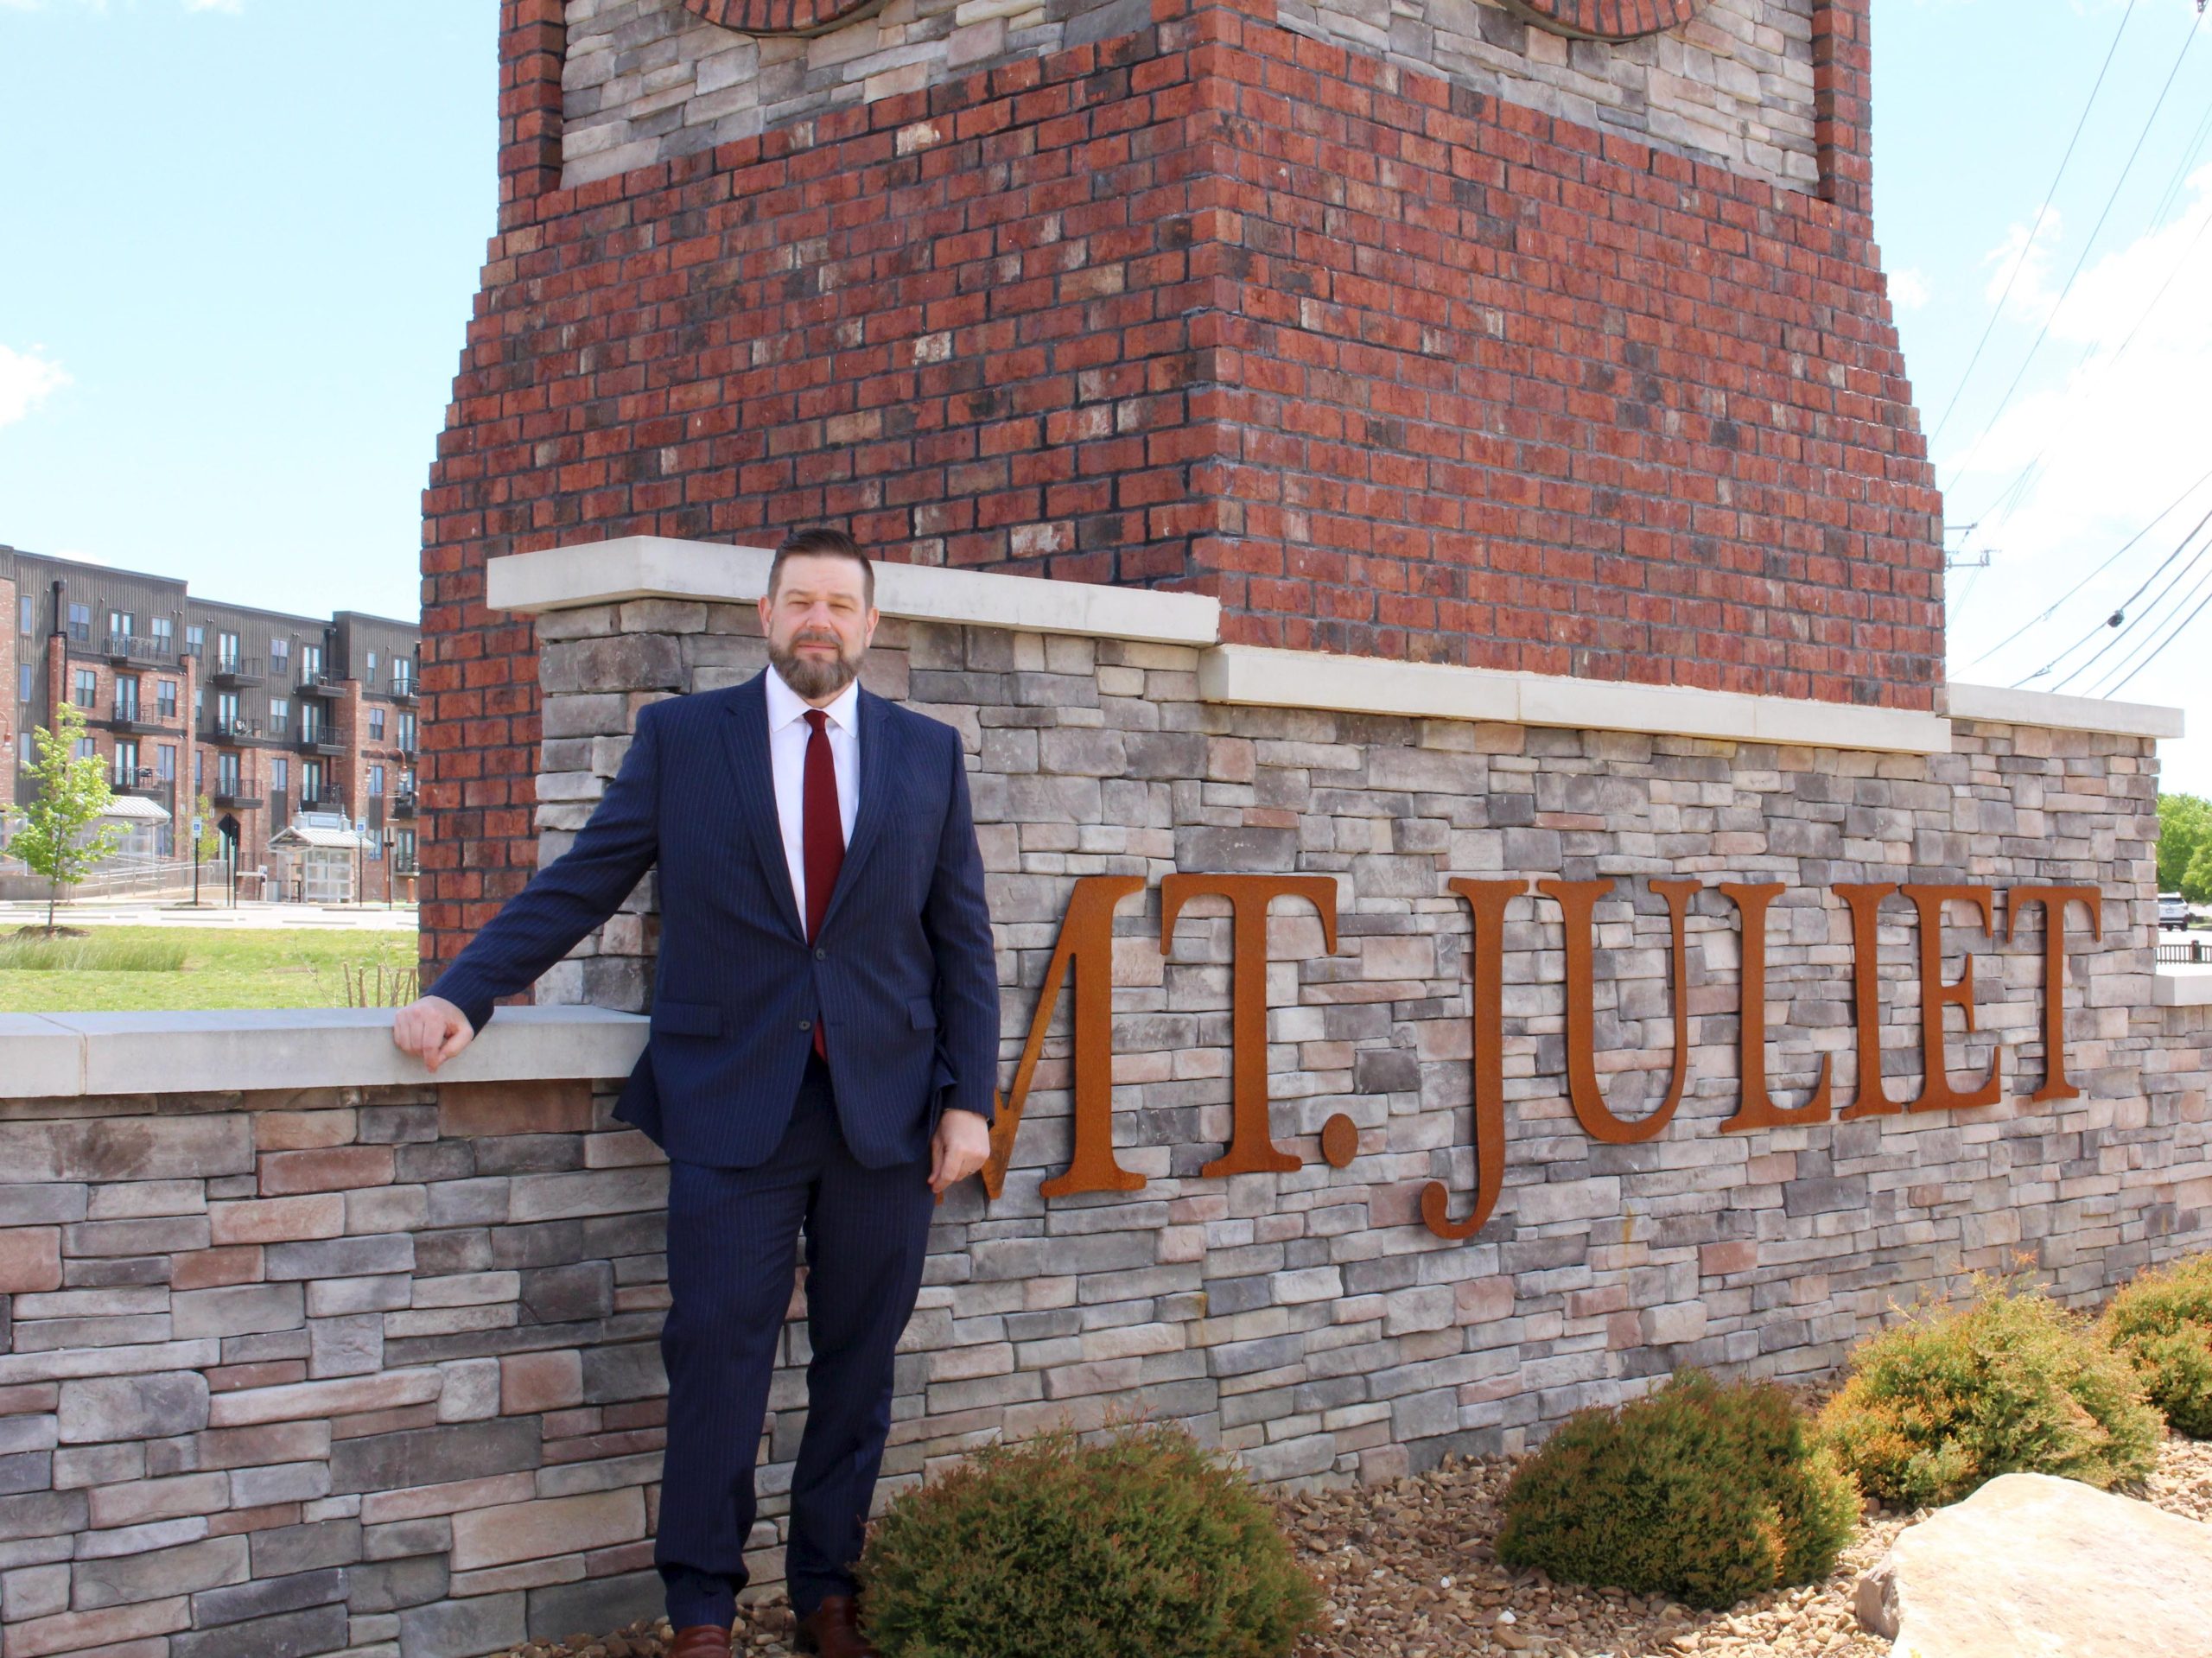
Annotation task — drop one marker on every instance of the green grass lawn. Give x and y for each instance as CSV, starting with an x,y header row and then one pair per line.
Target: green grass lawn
x,y
128,969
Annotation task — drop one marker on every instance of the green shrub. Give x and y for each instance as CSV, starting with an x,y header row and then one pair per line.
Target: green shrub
x,y
1137,1546
2009,1382
2161,1323
1706,1493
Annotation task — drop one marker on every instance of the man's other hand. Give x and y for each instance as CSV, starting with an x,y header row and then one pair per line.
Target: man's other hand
x,y
961,1146
434,1030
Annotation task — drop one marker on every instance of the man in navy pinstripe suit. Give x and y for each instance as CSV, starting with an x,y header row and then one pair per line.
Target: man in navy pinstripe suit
x,y
823,1041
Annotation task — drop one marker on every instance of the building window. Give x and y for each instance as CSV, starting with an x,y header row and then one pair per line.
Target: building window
x,y
226,714
87,688
370,677
85,749
126,699
165,698
280,776
80,623
376,779
310,661
26,613
26,756
403,674
405,850
407,732
310,785
122,624
280,654
226,651
406,780
25,681
376,725
195,639
164,632
226,775
165,762
280,715
199,770
126,764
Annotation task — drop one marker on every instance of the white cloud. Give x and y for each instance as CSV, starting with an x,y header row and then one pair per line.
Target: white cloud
x,y
1909,289
2113,436
27,379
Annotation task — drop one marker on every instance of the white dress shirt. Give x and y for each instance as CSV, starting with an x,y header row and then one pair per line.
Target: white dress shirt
x,y
788,733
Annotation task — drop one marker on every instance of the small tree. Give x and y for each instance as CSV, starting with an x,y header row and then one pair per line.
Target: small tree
x,y
57,839
207,845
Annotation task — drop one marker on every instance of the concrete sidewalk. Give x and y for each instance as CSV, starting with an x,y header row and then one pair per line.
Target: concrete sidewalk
x,y
248,913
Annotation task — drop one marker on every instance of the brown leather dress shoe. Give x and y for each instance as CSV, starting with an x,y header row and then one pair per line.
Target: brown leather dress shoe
x,y
701,1640
832,1630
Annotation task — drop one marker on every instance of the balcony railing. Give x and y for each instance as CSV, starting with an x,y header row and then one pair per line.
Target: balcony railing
x,y
322,800
233,795
235,670
132,647
400,805
231,731
129,716
403,691
318,683
323,739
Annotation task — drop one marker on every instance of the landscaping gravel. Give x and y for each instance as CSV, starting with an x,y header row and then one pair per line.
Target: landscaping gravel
x,y
1406,1571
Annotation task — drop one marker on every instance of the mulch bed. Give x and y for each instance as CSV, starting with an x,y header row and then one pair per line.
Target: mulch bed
x,y
1406,1572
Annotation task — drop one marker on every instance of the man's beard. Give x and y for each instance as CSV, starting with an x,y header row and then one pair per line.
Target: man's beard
x,y
813,677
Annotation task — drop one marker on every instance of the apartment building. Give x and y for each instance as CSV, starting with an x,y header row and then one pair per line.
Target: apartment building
x,y
269,715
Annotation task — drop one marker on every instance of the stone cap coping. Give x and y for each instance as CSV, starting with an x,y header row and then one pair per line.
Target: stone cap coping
x,y
2003,705
2182,987
51,1056
658,567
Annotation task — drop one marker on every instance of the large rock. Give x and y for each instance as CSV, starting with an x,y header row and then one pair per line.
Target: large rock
x,y
2036,1567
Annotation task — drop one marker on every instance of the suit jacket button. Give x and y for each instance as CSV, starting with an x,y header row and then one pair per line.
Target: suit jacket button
x,y
821,955
806,1024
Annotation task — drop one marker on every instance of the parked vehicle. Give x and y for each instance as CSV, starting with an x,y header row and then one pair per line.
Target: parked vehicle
x,y
2173,911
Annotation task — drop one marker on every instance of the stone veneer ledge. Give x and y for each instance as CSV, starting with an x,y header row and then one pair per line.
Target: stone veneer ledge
x,y
65,1056
626,568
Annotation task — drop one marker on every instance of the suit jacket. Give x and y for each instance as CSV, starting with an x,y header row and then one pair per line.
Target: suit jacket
x,y
902,975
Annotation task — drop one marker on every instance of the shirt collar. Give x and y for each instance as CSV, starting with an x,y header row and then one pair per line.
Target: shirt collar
x,y
786,705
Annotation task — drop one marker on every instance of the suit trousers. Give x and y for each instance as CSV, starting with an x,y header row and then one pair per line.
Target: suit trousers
x,y
732,1235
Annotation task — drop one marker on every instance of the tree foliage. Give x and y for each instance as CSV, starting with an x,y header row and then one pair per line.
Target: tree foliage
x,y
57,839
2185,846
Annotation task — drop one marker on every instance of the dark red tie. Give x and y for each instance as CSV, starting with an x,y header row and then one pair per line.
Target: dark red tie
x,y
822,833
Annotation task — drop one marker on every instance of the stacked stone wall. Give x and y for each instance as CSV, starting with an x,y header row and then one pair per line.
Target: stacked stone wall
x,y
375,1369
647,81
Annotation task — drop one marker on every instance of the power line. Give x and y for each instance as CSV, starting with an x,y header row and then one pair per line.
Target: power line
x,y
2042,333
2122,630
2104,685
2048,195
2169,638
2109,562
2007,500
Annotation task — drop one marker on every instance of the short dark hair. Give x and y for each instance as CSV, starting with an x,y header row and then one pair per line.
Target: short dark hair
x,y
823,543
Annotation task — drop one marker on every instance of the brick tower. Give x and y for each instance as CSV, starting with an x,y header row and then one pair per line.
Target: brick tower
x,y
1541,334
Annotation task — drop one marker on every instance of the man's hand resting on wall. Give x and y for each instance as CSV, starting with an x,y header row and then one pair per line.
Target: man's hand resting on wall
x,y
961,1146
434,1030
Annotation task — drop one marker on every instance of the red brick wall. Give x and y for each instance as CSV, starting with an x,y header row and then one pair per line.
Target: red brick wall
x,y
1392,367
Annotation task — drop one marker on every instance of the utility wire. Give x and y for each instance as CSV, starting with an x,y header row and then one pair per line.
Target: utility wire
x,y
2121,633
2153,657
2048,195
2104,686
2188,40
2112,559
2007,500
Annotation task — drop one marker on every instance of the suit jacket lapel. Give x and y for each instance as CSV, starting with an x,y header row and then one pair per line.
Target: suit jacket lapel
x,y
876,773
747,720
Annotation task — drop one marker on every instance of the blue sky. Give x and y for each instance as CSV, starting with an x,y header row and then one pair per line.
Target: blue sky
x,y
241,237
